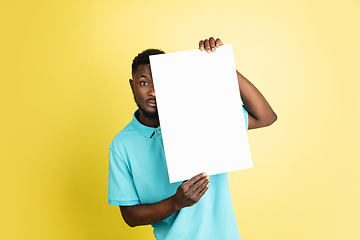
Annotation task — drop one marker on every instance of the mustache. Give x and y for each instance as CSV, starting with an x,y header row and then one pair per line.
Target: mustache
x,y
151,100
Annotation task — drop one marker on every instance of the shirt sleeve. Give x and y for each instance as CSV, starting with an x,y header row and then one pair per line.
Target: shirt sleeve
x,y
246,117
122,190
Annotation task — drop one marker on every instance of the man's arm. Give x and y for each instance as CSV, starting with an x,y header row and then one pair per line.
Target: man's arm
x,y
187,194
260,112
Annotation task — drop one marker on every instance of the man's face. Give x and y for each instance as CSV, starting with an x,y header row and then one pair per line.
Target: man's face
x,y
143,90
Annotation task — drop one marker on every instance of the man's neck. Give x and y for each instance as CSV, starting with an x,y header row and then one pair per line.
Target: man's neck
x,y
148,122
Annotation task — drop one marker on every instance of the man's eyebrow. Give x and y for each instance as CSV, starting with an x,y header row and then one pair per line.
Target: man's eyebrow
x,y
146,76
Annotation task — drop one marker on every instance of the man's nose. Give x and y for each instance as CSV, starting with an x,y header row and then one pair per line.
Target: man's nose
x,y
152,92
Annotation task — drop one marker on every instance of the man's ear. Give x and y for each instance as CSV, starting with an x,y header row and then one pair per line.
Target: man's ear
x,y
131,84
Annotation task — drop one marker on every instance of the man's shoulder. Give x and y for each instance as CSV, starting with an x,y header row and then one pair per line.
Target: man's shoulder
x,y
126,134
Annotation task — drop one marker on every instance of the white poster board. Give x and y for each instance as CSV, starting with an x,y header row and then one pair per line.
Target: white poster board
x,y
200,112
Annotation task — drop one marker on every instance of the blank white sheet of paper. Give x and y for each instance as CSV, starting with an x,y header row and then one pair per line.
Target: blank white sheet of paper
x,y
200,112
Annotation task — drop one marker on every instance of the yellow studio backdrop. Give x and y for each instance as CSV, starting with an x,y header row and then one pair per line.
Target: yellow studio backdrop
x,y
64,76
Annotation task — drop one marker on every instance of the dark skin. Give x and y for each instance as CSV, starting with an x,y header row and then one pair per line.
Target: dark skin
x,y
260,112
191,191
143,90
187,194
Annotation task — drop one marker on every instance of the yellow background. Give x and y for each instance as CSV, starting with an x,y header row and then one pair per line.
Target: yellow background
x,y
64,95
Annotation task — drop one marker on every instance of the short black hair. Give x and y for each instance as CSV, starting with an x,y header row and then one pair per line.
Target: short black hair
x,y
143,58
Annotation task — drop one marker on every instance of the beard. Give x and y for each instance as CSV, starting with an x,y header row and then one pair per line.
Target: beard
x,y
146,114
149,115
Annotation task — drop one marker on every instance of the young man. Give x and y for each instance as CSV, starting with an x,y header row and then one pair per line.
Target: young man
x,y
138,178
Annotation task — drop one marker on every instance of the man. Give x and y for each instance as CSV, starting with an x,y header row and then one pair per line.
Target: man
x,y
138,178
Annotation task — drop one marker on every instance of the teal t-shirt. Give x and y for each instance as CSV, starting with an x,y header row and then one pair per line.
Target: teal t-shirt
x,y
138,175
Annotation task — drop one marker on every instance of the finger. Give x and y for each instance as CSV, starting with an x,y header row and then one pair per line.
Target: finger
x,y
207,45
212,44
201,191
199,185
201,45
218,42
194,179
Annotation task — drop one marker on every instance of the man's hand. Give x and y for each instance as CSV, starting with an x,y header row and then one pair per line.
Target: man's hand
x,y
187,194
210,45
260,112
190,192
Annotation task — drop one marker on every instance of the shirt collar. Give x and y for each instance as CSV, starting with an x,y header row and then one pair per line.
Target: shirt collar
x,y
146,131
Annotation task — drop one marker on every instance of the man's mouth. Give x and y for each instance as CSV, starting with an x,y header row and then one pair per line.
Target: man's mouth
x,y
151,103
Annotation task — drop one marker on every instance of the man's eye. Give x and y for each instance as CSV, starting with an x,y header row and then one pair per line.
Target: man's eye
x,y
144,83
